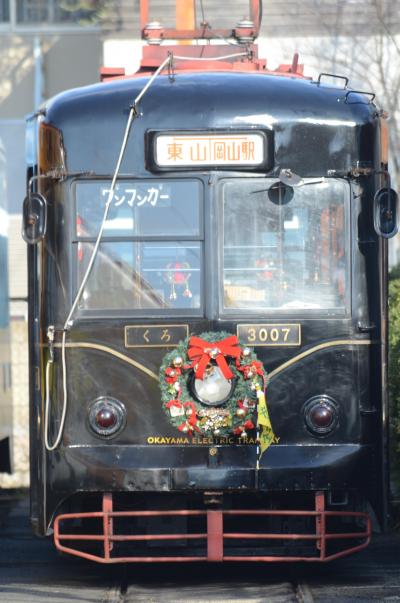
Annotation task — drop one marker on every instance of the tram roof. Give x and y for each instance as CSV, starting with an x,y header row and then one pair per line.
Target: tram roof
x,y
316,128
227,94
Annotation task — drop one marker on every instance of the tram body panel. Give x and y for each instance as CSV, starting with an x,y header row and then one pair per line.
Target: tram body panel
x,y
312,131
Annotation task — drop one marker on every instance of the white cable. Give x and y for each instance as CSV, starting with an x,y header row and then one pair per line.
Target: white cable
x,y
68,323
47,408
52,447
227,56
132,114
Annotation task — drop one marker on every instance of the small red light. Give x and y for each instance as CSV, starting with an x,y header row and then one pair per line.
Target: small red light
x,y
80,233
79,224
106,417
80,252
321,416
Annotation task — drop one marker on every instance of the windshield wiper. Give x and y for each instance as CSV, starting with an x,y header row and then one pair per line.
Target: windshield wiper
x,y
286,176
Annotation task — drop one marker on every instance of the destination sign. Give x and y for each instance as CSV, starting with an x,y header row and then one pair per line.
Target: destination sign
x,y
270,334
242,149
155,336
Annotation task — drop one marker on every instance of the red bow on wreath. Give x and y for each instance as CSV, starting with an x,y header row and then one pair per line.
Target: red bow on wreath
x,y
249,370
201,352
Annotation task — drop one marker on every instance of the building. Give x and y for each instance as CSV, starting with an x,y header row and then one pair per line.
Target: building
x,y
45,47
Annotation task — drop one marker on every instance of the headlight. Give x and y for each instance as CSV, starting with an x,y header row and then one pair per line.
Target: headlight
x,y
213,389
107,416
321,415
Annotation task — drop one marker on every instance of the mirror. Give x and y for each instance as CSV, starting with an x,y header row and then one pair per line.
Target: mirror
x,y
34,218
280,193
385,212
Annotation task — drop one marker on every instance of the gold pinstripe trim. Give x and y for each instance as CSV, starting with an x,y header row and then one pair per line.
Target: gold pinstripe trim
x,y
107,350
279,369
317,348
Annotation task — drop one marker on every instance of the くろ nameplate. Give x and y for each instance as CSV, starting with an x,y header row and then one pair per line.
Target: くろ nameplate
x,y
155,336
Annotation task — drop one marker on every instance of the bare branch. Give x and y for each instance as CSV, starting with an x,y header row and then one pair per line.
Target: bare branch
x,y
383,22
373,61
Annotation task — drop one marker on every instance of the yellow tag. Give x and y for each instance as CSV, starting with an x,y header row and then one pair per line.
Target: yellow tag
x,y
267,436
263,417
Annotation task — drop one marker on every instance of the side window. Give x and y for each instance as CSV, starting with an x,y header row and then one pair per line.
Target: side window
x,y
60,12
4,11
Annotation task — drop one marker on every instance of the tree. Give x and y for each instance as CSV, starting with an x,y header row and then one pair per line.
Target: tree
x,y
367,51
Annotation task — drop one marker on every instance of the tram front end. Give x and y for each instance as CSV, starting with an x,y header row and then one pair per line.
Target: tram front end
x,y
207,319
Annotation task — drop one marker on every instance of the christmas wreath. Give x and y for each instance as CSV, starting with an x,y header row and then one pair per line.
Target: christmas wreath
x,y
213,386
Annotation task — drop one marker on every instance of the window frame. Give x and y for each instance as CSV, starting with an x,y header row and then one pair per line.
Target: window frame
x,y
142,312
270,313
37,27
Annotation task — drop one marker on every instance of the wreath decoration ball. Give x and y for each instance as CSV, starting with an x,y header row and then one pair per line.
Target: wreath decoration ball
x,y
219,355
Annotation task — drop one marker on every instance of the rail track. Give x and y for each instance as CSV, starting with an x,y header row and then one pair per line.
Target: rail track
x,y
31,571
223,592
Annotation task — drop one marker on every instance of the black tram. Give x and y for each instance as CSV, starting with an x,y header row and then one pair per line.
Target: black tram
x,y
208,311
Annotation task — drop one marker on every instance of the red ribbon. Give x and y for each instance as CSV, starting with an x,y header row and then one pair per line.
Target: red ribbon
x,y
241,428
192,418
172,374
254,368
190,425
172,403
201,352
242,406
185,428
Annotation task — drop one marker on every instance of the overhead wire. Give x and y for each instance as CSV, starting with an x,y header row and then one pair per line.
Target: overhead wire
x,y
133,114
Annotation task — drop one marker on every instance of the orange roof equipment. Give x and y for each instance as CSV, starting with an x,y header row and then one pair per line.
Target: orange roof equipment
x,y
239,53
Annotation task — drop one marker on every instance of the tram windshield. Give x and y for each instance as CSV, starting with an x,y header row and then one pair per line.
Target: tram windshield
x,y
151,249
285,248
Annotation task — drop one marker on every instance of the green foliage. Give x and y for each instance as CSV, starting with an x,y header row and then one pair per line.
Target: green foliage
x,y
394,359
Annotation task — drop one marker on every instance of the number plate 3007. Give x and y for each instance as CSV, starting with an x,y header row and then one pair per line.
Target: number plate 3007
x,y
270,334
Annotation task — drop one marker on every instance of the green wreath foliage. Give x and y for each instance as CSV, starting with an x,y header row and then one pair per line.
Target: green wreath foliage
x,y
394,377
244,395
